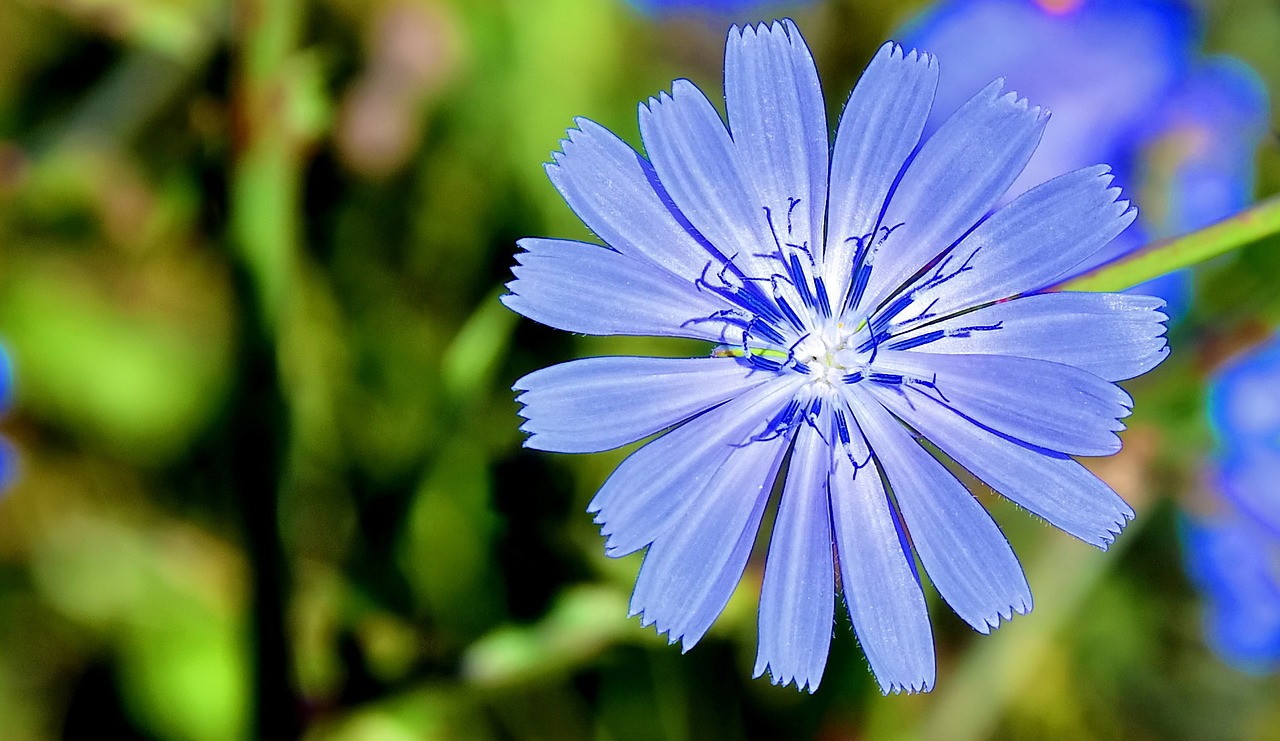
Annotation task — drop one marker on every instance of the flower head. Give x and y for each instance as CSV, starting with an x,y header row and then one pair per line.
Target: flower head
x,y
1234,554
861,297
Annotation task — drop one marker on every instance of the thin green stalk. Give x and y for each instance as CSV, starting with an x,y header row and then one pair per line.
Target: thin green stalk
x,y
265,223
266,182
1166,256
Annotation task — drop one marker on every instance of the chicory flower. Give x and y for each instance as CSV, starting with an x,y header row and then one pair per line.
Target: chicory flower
x,y
862,298
1233,554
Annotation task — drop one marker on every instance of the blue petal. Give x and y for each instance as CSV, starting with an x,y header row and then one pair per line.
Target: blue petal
x,y
647,493
690,571
1056,488
880,584
614,191
779,125
700,169
879,129
580,287
956,178
1024,246
1049,405
962,549
595,404
797,599
1112,335
1234,564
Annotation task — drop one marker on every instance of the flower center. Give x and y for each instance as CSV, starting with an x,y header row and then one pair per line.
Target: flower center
x,y
830,355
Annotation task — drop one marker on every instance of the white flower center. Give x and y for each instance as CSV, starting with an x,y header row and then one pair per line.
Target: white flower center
x,y
831,355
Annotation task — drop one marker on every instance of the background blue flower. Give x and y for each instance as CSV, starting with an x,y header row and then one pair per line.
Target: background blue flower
x,y
7,455
1234,553
710,6
1126,85
1233,561
1244,407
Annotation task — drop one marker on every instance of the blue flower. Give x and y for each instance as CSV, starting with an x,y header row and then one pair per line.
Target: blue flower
x,y
1234,562
7,456
1234,554
1244,407
1126,87
714,6
862,297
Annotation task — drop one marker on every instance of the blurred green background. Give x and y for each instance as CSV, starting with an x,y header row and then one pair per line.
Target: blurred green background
x,y
270,479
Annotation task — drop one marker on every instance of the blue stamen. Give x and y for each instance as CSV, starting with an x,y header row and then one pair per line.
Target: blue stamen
x,y
760,362
803,247
763,328
842,427
780,424
799,281
890,378
859,286
926,314
751,300
886,316
918,340
931,384
768,217
787,311
824,303
864,260
966,331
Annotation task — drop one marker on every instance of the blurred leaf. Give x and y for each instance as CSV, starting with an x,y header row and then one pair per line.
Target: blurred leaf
x,y
472,359
174,27
557,76
446,549
136,382
168,598
310,112
183,671
427,714
583,621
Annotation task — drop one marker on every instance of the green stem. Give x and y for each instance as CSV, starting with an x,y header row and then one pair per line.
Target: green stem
x,y
264,230
1168,255
266,182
